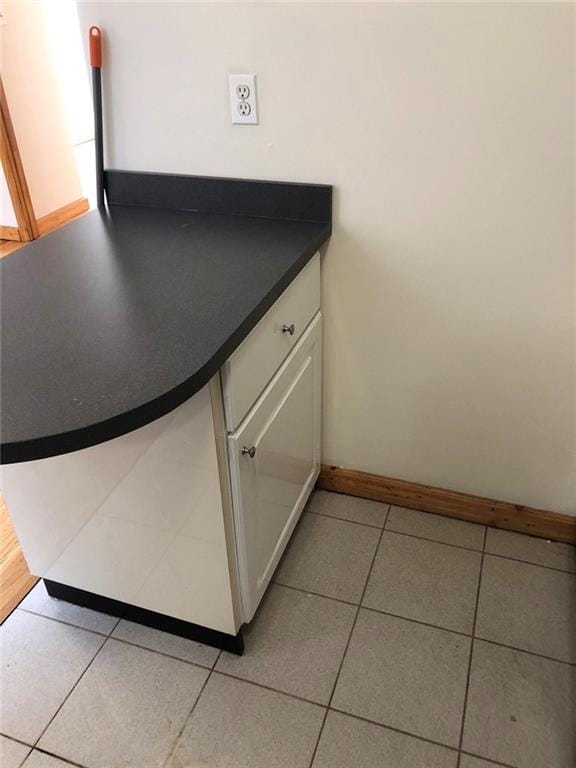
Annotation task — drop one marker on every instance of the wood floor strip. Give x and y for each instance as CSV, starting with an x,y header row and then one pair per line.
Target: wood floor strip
x,y
15,578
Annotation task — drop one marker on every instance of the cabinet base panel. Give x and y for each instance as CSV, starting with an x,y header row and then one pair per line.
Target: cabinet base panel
x,y
231,643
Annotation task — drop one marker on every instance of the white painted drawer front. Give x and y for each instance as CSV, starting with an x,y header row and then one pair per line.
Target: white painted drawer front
x,y
271,486
256,360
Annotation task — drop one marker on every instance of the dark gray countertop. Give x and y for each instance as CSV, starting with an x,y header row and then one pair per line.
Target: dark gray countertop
x,y
120,316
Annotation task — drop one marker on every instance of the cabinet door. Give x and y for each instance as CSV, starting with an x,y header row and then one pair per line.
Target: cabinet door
x,y
275,460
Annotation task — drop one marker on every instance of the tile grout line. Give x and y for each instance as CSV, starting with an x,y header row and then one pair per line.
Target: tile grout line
x,y
348,641
167,655
489,759
343,519
316,594
69,623
522,650
53,754
468,673
529,562
70,692
269,688
189,716
394,729
435,541
18,741
416,621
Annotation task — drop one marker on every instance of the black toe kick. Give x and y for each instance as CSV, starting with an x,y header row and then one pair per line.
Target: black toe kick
x,y
231,643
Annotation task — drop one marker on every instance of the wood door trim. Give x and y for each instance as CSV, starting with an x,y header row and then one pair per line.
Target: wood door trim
x,y
14,173
62,216
476,509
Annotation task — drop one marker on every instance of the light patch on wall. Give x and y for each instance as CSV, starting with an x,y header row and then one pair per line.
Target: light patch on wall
x,y
65,40
66,46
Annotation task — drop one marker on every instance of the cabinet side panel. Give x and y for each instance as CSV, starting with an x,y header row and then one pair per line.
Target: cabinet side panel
x,y
137,519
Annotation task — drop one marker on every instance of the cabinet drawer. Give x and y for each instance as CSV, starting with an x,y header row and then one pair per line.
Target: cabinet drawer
x,y
257,359
274,462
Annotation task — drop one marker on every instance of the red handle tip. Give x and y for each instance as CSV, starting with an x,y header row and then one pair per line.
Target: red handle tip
x,y
95,39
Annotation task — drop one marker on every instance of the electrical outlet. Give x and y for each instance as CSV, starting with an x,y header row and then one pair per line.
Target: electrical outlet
x,y
243,106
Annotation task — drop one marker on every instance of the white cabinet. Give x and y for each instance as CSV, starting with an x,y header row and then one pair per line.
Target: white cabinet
x,y
275,460
175,519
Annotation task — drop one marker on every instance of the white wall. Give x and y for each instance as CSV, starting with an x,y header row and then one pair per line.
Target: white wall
x,y
37,107
447,130
7,215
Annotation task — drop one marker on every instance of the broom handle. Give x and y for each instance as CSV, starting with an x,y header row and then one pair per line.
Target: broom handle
x,y
95,38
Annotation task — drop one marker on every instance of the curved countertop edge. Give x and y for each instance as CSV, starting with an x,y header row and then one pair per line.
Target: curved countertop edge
x,y
55,445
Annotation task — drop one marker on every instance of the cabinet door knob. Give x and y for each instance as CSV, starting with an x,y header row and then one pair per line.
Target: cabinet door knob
x,y
289,329
250,451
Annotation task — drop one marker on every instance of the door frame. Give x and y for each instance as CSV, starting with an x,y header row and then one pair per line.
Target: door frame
x,y
15,178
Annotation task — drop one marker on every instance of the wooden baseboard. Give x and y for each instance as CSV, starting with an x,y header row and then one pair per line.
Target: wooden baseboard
x,y
9,233
476,509
62,216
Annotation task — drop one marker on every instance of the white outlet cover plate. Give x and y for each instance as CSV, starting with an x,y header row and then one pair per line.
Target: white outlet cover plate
x,y
244,111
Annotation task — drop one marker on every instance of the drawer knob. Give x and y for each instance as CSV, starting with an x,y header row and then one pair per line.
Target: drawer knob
x,y
289,329
250,451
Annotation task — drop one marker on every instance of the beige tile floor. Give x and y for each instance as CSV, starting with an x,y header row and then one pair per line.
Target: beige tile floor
x,y
389,639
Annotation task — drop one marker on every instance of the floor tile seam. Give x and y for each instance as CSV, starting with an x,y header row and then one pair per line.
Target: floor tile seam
x,y
271,688
498,644
69,623
187,719
433,541
343,519
402,731
529,562
417,621
466,752
386,516
58,757
471,652
17,740
316,594
163,653
70,692
346,647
